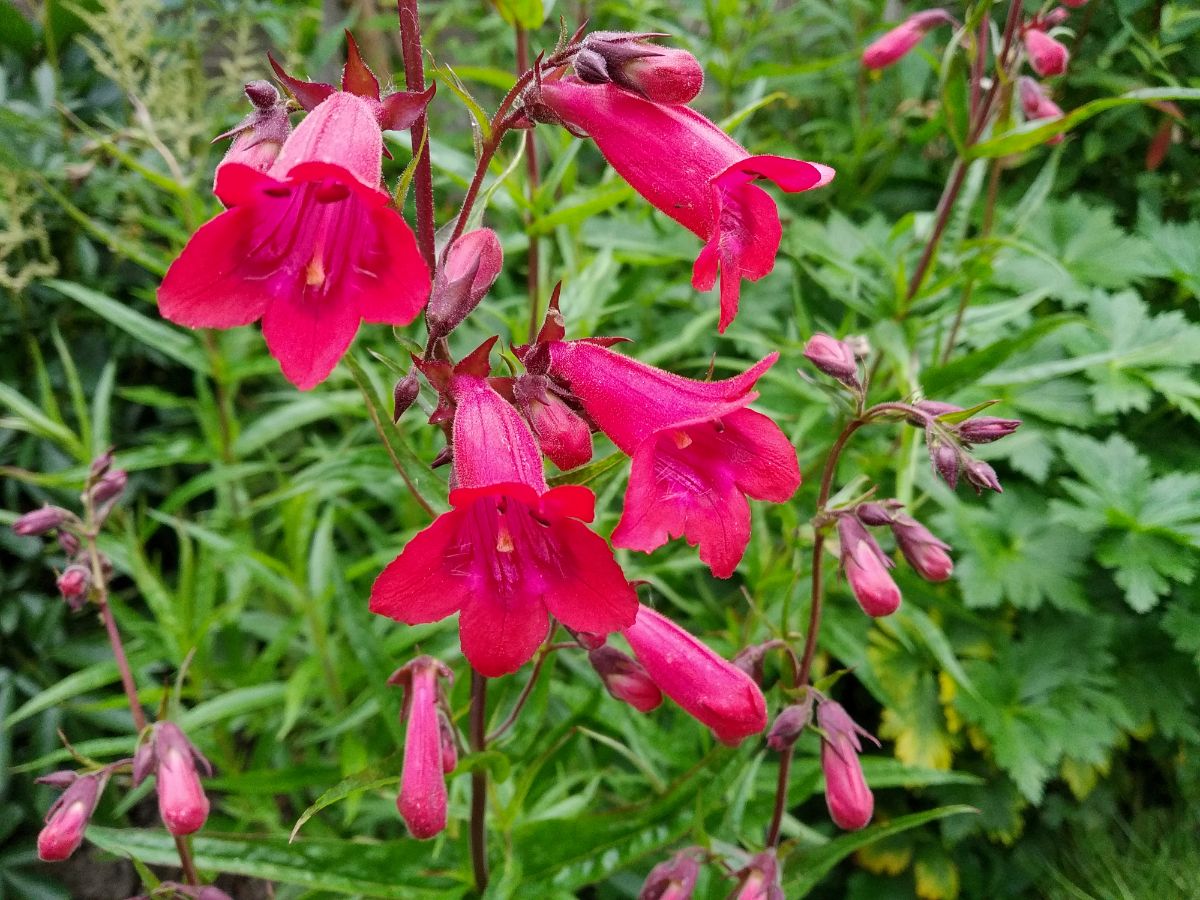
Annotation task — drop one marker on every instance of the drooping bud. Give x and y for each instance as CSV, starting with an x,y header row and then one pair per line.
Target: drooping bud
x,y
68,542
982,477
986,429
74,583
259,137
759,880
625,678
850,801
561,432
100,465
866,568
39,521
709,688
790,723
467,272
182,803
422,799
659,74
928,555
896,44
110,487
675,878
945,460
833,357
404,394
68,817
1046,55
875,514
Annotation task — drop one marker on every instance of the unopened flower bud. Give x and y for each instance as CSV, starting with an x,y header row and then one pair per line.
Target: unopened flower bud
x,y
750,659
561,432
759,880
259,137
673,879
1037,105
39,521
422,799
110,487
928,555
60,780
986,429
100,465
68,542
1046,55
659,74
875,514
790,724
590,641
866,568
982,477
945,460
467,272
404,394
68,817
74,582
897,43
625,678
449,743
182,803
850,801
1055,17
833,357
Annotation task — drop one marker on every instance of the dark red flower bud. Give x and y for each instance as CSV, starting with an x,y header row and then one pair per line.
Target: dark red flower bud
x,y
874,514
675,878
928,555
625,678
39,521
833,357
986,429
68,817
660,74
945,459
110,487
563,435
404,394
982,477
74,582
467,272
790,724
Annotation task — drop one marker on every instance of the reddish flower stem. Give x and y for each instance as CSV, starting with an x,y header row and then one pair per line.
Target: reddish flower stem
x,y
533,259
526,691
478,743
414,79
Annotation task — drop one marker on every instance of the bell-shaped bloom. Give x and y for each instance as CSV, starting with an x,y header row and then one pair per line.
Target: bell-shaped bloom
x,y
660,74
697,451
759,880
707,687
691,170
897,43
563,435
68,817
1046,55
866,567
173,760
625,678
510,553
422,799
311,246
674,878
925,552
471,266
850,801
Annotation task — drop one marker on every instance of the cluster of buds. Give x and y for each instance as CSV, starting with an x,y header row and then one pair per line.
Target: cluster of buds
x,y
950,440
758,878
168,755
430,747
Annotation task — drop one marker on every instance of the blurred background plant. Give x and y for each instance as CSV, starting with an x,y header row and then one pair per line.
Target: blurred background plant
x,y
1052,683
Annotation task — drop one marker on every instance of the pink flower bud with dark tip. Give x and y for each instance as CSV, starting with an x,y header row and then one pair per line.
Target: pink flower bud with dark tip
x,y
659,74
39,521
928,555
866,568
404,394
986,429
833,357
982,477
850,801
68,817
945,460
182,803
790,724
74,583
100,465
1046,55
896,44
110,487
468,270
625,678
422,799
759,880
673,879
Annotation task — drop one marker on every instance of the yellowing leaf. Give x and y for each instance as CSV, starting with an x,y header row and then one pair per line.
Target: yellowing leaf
x,y
889,856
936,875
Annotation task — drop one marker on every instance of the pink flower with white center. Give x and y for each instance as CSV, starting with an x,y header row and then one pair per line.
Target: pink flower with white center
x,y
511,552
707,687
851,803
311,245
422,799
68,817
897,43
697,451
1046,55
173,760
866,567
691,170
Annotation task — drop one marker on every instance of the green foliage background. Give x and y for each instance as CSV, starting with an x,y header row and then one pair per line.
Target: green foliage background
x,y
1052,685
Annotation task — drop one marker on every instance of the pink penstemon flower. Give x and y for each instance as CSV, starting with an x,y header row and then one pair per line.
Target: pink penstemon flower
x,y
311,245
511,552
851,803
691,170
866,568
422,798
1046,55
897,43
68,816
172,759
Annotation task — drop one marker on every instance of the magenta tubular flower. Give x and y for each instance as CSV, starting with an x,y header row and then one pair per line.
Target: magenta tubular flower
x,y
694,172
698,453
422,799
674,878
182,803
311,246
510,552
850,801
897,43
68,817
866,568
625,678
926,553
1046,55
707,687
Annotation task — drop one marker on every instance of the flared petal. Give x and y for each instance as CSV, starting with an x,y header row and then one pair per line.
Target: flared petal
x,y
391,277
587,590
424,583
791,175
760,456
500,632
308,337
